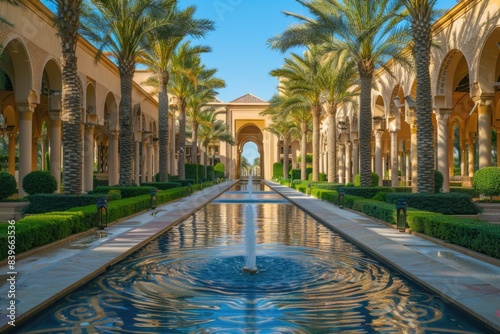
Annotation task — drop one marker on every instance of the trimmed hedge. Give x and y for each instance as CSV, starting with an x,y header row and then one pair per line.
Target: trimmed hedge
x,y
39,182
277,170
487,181
40,203
466,232
469,191
126,191
41,229
162,185
366,192
445,203
8,185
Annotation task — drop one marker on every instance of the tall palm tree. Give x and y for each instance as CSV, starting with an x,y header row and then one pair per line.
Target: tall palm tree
x,y
339,75
368,31
421,16
301,75
160,46
281,125
67,23
202,93
213,130
185,72
119,29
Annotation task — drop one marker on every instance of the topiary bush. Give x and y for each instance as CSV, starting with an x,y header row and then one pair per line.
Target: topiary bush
x,y
438,181
277,170
357,180
8,185
220,170
39,182
487,181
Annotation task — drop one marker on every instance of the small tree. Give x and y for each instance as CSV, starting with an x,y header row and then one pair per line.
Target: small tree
x,y
487,181
8,186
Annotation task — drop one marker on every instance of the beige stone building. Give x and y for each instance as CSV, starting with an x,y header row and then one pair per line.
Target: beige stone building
x,y
465,74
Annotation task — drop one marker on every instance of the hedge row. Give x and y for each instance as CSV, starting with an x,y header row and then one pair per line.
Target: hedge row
x,y
162,185
126,191
40,203
38,230
445,203
466,232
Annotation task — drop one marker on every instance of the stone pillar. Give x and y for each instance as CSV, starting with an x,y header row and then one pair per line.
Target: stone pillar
x,y
484,131
378,156
150,162
12,154
463,160
413,153
144,162
394,158
113,159
55,146
25,142
348,162
88,158
34,153
341,163
408,167
137,166
355,157
443,160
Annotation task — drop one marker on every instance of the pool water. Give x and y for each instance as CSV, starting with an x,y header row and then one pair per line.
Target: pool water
x,y
309,280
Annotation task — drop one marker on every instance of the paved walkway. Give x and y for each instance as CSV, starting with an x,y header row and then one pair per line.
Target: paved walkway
x,y
472,284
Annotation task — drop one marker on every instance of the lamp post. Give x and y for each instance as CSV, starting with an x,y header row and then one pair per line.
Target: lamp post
x,y
341,199
152,193
102,213
401,208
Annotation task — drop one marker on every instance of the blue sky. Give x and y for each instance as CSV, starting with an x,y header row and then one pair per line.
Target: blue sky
x,y
240,50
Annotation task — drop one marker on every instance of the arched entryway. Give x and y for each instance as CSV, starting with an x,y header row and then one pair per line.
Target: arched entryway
x,y
250,132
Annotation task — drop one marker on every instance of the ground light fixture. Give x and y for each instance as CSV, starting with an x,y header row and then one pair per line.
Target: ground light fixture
x,y
401,207
152,200
102,213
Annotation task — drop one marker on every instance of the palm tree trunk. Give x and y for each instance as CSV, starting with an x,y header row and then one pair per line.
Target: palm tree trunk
x,y
163,78
425,130
332,144
365,129
182,139
303,151
315,155
126,126
68,18
194,144
286,164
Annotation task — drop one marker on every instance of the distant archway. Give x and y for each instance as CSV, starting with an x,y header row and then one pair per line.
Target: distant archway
x,y
250,132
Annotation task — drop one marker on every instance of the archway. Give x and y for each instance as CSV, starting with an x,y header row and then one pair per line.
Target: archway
x,y
250,133
250,154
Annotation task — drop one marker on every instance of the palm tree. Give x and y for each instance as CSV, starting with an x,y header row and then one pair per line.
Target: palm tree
x,y
421,16
339,75
186,69
301,75
119,29
160,46
368,31
281,126
203,93
67,23
213,130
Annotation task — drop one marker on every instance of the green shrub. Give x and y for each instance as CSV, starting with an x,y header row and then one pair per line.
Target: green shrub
x,y
487,181
277,170
126,191
380,196
470,191
438,181
39,182
220,170
357,180
41,203
365,192
445,203
8,185
162,185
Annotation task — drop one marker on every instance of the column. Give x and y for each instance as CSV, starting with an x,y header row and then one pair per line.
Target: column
x,y
394,158
137,166
25,143
498,146
472,143
484,131
408,167
463,159
113,160
348,162
12,153
144,162
150,163
413,154
341,163
88,158
34,153
378,156
55,146
355,157
443,161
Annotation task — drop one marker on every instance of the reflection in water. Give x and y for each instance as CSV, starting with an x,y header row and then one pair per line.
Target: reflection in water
x,y
190,280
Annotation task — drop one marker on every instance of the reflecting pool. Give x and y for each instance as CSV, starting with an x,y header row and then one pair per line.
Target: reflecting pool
x,y
309,280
